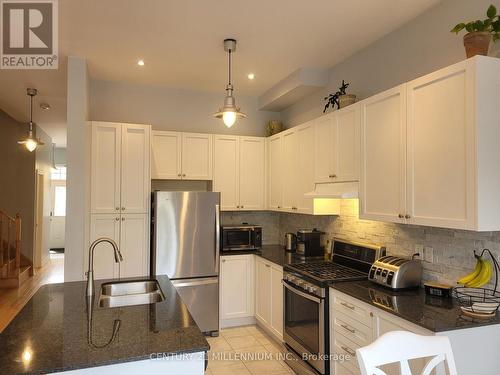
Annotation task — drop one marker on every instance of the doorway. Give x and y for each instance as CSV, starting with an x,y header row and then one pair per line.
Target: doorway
x,y
39,194
57,216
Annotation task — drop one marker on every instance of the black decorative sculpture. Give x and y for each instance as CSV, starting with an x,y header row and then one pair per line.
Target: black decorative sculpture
x,y
333,99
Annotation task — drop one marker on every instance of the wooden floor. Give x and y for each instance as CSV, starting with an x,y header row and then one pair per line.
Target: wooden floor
x,y
13,300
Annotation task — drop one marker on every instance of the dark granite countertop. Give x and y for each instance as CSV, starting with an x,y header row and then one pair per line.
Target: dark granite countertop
x,y
433,313
53,328
273,253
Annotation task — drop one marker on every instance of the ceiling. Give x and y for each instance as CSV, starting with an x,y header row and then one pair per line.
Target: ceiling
x,y
181,44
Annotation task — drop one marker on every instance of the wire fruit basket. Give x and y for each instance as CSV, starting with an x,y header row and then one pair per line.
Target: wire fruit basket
x,y
480,302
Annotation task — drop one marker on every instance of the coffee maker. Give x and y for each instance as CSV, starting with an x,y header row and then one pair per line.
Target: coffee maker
x,y
309,243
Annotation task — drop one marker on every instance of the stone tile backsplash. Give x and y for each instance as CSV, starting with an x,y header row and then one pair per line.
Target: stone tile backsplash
x,y
453,249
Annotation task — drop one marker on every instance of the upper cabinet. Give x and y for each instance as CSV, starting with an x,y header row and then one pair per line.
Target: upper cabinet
x,y
275,172
291,169
120,168
383,155
429,152
337,146
239,172
181,156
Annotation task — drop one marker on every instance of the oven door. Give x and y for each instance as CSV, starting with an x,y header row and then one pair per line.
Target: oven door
x,y
237,239
304,325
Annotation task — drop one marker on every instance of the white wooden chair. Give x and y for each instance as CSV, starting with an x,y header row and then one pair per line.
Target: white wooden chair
x,y
402,346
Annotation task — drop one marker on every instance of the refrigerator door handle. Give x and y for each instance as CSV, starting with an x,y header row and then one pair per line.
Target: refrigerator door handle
x,y
217,237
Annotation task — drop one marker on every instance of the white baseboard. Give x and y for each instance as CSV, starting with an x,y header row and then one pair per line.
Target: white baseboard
x,y
236,322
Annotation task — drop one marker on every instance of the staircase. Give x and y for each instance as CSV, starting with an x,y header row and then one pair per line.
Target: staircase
x,y
14,268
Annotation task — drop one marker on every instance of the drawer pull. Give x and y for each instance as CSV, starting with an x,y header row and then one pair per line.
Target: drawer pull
x,y
268,265
348,351
348,305
345,326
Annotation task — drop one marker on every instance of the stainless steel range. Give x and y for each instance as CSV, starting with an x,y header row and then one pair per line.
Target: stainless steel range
x,y
306,305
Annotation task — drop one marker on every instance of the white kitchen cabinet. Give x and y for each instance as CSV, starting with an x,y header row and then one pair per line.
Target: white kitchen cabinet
x,y
337,146
383,156
134,245
120,197
120,168
135,168
275,172
239,172
297,168
181,156
196,156
236,288
227,170
263,292
166,155
441,163
429,150
105,167
104,225
252,182
269,296
277,300
304,178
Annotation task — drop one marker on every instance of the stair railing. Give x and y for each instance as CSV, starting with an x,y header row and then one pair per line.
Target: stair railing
x,y
10,243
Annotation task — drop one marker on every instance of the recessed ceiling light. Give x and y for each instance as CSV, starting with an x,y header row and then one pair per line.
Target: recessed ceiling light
x,y
140,62
251,76
45,106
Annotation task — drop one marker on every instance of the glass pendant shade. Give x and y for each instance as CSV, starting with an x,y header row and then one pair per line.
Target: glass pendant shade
x,y
31,142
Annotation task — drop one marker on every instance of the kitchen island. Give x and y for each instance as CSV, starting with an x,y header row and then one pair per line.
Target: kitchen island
x,y
53,333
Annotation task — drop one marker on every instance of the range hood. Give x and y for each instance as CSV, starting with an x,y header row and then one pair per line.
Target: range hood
x,y
334,190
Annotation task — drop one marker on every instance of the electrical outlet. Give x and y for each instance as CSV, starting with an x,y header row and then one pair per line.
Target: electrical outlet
x,y
420,250
429,254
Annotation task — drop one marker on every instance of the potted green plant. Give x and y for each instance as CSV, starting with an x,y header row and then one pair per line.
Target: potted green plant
x,y
480,33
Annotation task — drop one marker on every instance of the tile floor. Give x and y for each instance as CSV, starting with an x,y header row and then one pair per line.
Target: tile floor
x,y
245,351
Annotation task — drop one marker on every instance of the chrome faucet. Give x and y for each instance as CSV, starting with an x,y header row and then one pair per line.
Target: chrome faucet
x,y
90,272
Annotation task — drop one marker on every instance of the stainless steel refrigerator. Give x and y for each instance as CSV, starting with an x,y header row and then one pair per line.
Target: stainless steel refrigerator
x,y
185,247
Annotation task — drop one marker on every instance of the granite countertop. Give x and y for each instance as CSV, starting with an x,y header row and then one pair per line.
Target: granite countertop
x,y
433,313
53,328
273,253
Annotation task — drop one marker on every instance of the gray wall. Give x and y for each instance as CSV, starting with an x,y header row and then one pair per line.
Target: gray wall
x,y
419,47
17,179
172,109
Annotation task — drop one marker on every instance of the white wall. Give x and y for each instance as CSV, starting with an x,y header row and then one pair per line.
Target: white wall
x,y
78,176
173,109
419,47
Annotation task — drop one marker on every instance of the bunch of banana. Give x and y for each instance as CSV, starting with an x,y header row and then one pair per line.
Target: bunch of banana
x,y
480,276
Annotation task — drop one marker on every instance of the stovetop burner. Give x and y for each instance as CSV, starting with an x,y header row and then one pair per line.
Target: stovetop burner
x,y
327,271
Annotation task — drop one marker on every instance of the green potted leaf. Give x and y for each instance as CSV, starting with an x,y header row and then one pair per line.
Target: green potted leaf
x,y
480,33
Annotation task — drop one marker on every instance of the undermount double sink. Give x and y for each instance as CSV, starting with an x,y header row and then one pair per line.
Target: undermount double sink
x,y
130,293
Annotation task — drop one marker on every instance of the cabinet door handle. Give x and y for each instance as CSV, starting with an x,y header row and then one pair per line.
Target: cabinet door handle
x,y
407,216
334,176
345,326
223,261
401,216
348,305
117,218
279,206
183,175
123,219
179,175
117,208
242,207
123,208
348,351
268,266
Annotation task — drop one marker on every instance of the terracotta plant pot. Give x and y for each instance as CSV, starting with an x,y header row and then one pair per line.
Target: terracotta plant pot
x,y
477,43
347,99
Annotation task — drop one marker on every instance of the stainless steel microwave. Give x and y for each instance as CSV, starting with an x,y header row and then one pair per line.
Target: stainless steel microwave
x,y
241,237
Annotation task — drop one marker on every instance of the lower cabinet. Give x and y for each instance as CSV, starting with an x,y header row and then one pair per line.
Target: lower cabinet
x,y
269,296
354,324
250,290
236,289
130,232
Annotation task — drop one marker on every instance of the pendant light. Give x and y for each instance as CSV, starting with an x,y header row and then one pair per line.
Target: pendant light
x,y
229,113
31,142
